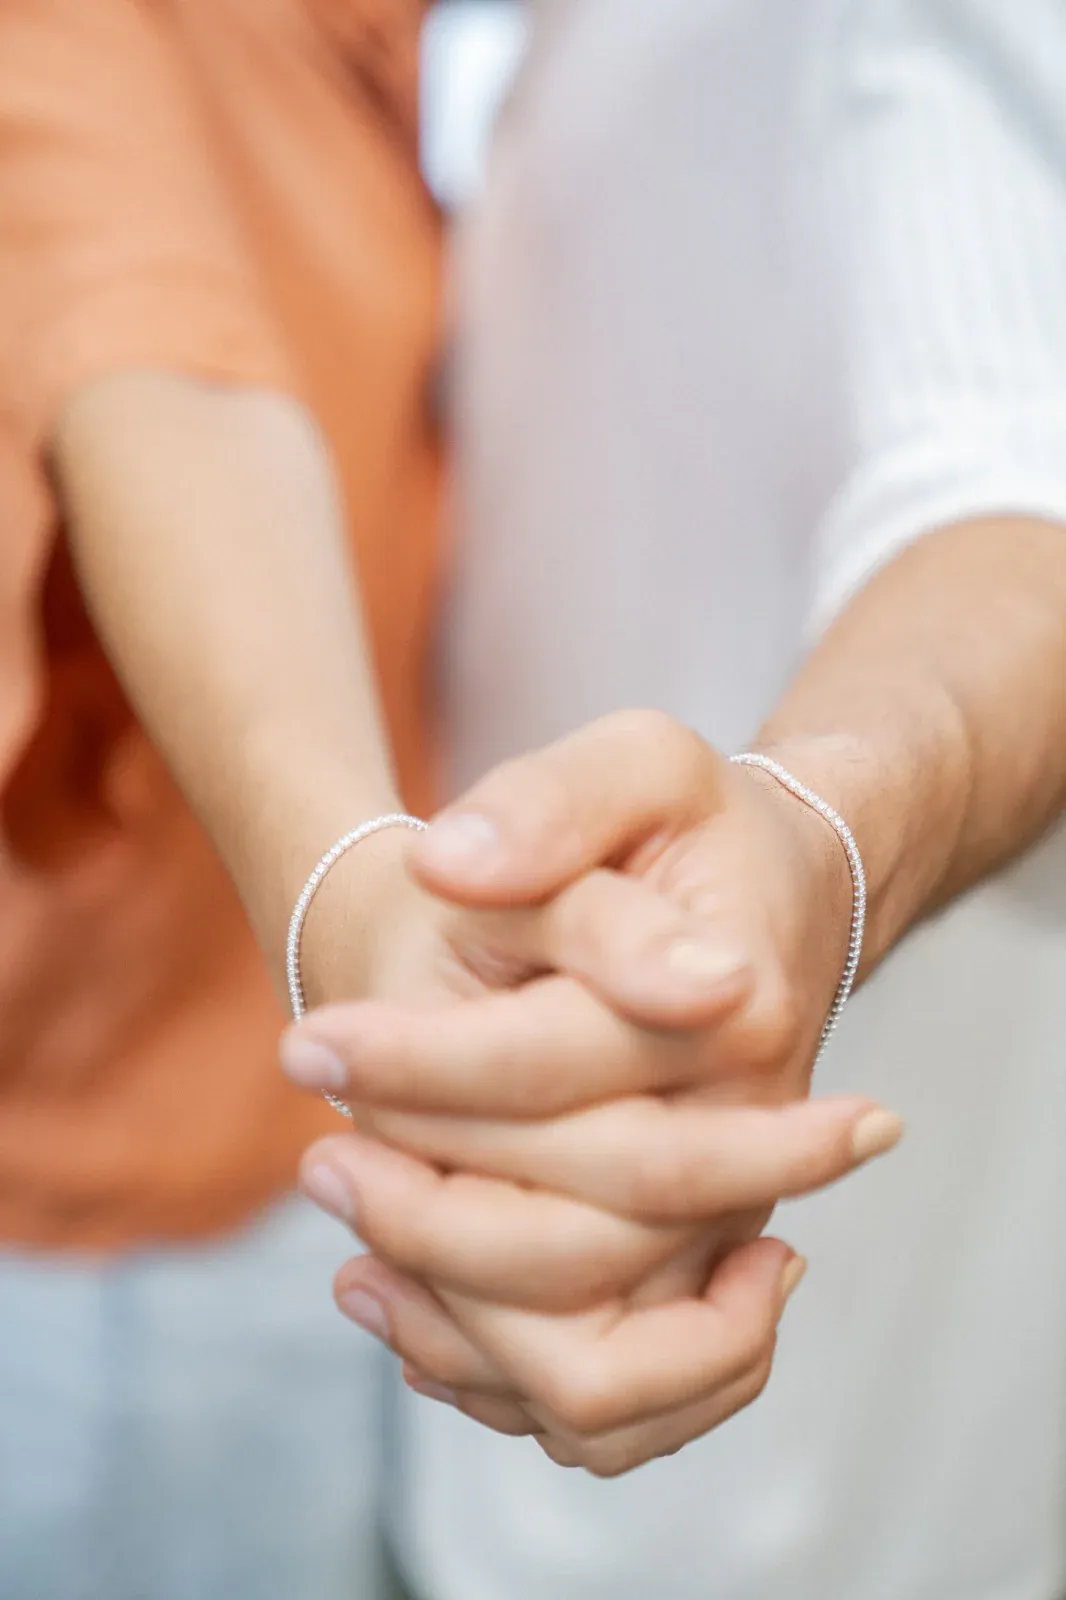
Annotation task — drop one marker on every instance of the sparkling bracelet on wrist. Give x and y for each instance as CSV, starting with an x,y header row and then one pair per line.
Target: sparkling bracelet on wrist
x,y
394,819
858,878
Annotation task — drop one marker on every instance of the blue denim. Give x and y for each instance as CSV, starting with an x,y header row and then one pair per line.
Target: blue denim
x,y
190,1425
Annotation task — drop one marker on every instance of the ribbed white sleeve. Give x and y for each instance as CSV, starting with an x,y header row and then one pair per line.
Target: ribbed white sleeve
x,y
945,165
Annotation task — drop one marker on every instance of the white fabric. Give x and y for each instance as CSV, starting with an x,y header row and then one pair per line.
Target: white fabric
x,y
470,52
748,269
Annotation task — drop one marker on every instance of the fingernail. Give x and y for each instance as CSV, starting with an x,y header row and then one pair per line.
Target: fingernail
x,y
310,1064
874,1134
460,839
325,1186
702,964
368,1312
792,1277
433,1391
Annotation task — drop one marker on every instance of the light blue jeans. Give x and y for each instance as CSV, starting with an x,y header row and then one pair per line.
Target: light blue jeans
x,y
190,1425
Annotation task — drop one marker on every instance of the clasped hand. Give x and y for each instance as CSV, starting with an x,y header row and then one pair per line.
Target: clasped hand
x,y
580,1081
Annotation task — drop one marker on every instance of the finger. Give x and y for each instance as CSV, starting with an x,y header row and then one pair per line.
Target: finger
x,y
681,1160
409,1319
642,953
537,823
482,1238
602,1371
501,1416
609,1455
686,1275
534,1051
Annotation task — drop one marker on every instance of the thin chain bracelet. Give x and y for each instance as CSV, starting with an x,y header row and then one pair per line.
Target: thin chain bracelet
x,y
858,879
395,819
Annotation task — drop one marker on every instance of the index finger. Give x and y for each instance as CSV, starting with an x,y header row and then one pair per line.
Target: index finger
x,y
532,1052
682,1159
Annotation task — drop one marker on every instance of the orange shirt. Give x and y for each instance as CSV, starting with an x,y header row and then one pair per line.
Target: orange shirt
x,y
224,187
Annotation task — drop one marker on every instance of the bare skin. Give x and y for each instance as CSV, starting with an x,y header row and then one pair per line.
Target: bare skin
x,y
906,718
667,931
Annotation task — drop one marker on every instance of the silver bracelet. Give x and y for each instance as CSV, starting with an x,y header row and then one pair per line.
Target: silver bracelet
x,y
858,879
395,819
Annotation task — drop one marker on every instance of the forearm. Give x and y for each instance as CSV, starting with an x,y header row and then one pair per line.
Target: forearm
x,y
933,714
210,550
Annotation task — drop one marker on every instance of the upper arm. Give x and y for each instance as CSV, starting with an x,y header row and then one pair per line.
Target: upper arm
x,y
118,249
946,168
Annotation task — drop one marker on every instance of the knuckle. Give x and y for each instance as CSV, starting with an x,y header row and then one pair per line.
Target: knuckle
x,y
760,1377
441,1367
638,722
400,1234
645,724
678,751
772,1029
438,1356
752,1347
562,1454
677,748
582,1400
606,1459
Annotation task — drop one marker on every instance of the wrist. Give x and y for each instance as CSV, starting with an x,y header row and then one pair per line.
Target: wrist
x,y
814,864
294,811
900,812
358,906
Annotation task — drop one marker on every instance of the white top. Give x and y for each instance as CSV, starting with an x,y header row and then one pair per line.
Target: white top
x,y
470,52
748,269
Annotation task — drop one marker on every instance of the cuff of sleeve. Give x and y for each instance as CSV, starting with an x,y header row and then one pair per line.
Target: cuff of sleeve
x,y
995,467
181,324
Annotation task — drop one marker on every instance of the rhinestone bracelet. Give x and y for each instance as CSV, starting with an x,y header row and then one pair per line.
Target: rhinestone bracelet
x,y
858,880
395,819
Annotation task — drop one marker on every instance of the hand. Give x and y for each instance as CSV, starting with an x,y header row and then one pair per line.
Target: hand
x,y
607,1390
732,860
693,836
682,892
738,881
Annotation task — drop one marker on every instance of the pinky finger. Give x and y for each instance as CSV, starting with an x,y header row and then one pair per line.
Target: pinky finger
x,y
621,1450
414,1324
613,1454
500,1416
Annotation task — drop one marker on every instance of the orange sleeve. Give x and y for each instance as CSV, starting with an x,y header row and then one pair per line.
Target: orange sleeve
x,y
118,248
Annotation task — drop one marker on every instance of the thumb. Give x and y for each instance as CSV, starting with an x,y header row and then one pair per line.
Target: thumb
x,y
537,823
